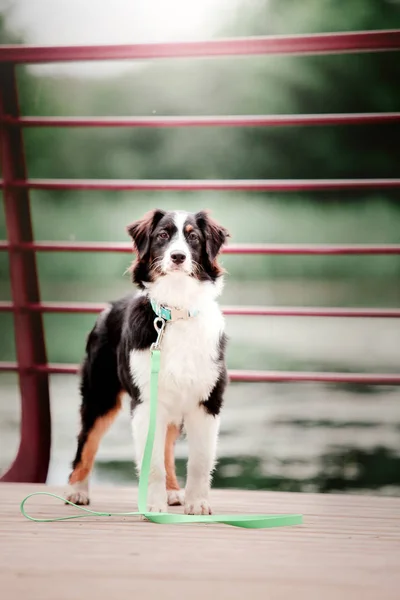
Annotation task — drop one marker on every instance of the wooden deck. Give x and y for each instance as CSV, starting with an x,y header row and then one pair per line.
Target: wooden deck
x,y
348,547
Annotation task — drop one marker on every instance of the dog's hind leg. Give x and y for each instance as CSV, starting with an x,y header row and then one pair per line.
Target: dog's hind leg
x,y
93,429
101,402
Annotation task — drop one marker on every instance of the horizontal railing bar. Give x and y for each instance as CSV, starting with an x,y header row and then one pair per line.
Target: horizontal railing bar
x,y
250,376
319,43
176,185
310,311
257,311
208,121
8,367
303,376
271,249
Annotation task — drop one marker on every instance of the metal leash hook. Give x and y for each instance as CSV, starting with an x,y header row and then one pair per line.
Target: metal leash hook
x,y
159,326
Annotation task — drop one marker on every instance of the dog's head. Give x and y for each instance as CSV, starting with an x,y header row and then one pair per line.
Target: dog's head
x,y
176,243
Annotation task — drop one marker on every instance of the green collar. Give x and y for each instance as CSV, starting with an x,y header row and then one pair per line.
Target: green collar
x,y
171,313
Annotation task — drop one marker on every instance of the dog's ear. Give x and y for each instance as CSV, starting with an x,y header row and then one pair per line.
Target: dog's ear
x,y
215,235
140,231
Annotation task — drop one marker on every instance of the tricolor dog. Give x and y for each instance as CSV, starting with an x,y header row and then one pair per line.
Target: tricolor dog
x,y
179,280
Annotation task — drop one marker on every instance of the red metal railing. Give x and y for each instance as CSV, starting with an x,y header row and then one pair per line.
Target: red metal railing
x,y
220,121
242,375
243,311
322,43
179,185
31,463
119,247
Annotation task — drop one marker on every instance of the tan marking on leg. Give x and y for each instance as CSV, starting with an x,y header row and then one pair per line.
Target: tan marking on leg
x,y
102,424
173,433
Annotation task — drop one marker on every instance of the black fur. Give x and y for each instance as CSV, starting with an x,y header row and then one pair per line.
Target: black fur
x,y
100,384
214,402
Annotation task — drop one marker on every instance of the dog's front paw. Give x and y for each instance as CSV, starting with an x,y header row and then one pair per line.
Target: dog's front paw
x,y
79,497
176,497
157,507
157,498
199,506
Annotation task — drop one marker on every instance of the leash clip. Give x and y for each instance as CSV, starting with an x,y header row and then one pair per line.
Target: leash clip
x,y
159,326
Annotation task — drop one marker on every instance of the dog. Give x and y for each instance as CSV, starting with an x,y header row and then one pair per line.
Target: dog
x,y
179,279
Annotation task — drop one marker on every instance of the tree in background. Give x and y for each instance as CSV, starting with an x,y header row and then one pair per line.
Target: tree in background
x,y
247,85
308,84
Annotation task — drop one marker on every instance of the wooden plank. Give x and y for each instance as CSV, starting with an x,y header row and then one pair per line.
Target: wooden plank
x,y
348,547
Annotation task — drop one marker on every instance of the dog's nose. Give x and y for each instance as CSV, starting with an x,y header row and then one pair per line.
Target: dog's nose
x,y
178,257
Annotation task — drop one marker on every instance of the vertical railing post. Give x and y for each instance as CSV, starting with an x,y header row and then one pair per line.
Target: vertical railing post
x,y
32,460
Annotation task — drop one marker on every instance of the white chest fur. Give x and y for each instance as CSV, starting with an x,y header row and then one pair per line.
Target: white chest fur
x,y
189,349
189,368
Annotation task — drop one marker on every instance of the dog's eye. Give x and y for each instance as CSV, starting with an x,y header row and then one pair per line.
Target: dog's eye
x,y
163,235
193,237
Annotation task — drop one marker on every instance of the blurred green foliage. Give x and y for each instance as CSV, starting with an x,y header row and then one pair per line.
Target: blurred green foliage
x,y
364,82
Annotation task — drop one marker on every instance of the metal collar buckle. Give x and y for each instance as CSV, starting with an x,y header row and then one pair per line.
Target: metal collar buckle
x,y
178,313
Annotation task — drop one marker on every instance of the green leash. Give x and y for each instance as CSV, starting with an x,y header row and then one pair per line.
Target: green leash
x,y
247,521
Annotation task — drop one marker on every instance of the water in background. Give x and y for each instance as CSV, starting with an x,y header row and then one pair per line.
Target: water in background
x,y
279,436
